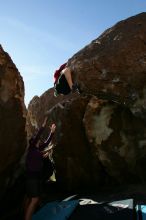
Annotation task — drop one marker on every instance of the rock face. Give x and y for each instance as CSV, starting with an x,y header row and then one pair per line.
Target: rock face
x,y
117,138
72,153
113,66
39,107
101,134
12,120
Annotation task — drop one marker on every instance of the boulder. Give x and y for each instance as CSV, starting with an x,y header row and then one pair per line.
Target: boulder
x,y
113,66
101,135
12,120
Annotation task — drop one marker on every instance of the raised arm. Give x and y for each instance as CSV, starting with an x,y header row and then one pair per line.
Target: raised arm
x,y
44,122
36,137
49,138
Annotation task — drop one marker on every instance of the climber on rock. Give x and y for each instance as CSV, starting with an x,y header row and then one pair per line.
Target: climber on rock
x,y
63,81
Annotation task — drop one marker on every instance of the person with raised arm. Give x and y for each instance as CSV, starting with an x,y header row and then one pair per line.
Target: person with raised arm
x,y
34,169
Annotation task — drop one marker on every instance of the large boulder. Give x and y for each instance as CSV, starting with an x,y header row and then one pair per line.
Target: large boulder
x,y
101,135
12,120
113,66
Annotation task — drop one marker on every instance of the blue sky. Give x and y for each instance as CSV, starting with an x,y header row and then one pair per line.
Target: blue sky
x,y
40,35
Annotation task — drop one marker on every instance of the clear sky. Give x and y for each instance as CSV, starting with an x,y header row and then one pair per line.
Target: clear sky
x,y
40,35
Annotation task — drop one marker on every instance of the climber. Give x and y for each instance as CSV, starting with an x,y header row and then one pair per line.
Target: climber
x,y
34,168
63,81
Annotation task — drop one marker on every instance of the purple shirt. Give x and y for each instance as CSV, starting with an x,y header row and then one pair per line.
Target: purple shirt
x,y
34,158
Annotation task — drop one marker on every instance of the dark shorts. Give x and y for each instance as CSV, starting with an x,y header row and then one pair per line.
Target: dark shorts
x,y
62,86
34,187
